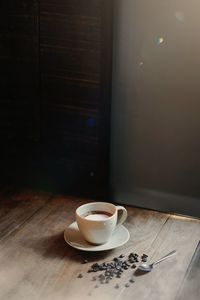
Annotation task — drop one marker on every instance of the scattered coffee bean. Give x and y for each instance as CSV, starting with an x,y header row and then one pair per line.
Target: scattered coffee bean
x,y
127,285
107,281
133,266
107,273
144,259
144,255
114,268
112,265
90,270
84,261
107,278
116,259
101,278
95,265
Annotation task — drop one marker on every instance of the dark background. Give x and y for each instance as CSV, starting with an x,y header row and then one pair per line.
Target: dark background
x,y
56,58
55,82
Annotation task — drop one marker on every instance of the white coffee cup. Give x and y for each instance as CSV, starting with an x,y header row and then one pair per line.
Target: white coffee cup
x,y
98,220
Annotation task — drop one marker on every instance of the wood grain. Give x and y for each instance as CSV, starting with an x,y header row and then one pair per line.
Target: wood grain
x,y
190,288
17,209
35,261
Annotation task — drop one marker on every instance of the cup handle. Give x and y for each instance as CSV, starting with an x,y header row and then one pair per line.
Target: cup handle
x,y
121,215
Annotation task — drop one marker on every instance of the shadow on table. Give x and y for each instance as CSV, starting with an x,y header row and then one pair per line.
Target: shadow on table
x,y
139,272
55,247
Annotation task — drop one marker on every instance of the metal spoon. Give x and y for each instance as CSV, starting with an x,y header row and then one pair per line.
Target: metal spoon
x,y
149,267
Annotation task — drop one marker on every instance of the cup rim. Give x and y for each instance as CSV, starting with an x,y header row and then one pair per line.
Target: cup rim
x,y
89,203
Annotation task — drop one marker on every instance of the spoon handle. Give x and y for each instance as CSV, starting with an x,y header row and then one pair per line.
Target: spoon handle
x,y
165,257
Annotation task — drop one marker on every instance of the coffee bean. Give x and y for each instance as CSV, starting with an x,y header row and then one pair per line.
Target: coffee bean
x,y
115,268
112,265
127,285
117,286
144,259
107,281
115,259
95,265
80,276
144,255
107,273
84,261
90,270
101,277
133,266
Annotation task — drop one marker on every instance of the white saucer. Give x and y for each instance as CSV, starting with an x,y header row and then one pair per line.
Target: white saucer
x,y
74,238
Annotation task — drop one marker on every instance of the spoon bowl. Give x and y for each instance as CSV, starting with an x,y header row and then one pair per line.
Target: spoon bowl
x,y
146,267
149,267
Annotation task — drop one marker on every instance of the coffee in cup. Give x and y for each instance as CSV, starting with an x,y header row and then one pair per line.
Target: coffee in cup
x,y
98,220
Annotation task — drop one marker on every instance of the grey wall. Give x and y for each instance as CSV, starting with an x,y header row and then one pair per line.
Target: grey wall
x,y
155,146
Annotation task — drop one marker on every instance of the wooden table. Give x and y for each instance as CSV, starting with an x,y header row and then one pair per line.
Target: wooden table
x,y
36,262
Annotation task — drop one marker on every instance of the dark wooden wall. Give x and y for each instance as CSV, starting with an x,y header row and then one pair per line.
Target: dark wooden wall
x,y
55,80
19,75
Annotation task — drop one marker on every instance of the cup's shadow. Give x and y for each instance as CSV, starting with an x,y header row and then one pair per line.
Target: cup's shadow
x,y
55,247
